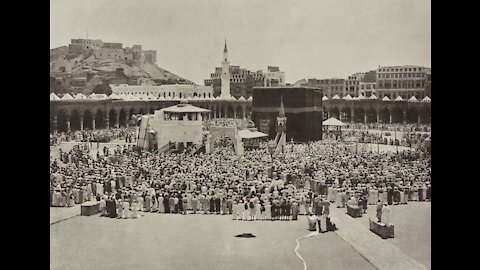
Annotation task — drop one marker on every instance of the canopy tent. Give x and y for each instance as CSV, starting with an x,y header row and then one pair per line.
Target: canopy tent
x,y
336,97
399,98
184,108
332,121
360,97
67,96
241,98
114,96
324,98
98,96
337,127
413,99
250,98
347,97
385,98
54,97
373,96
426,99
247,134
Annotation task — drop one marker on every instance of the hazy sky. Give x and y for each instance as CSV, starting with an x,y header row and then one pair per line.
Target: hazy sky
x,y
305,38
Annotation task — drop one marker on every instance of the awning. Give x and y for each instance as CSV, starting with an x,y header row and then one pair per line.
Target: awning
x,y
247,134
333,122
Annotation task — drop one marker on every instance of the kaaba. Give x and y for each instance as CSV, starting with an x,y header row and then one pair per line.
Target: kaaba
x,y
303,109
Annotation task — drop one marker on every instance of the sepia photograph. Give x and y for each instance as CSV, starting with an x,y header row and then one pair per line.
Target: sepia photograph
x,y
222,134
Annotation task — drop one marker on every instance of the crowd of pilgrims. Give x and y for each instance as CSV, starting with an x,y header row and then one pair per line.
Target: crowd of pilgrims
x,y
409,139
303,180
99,135
224,122
392,127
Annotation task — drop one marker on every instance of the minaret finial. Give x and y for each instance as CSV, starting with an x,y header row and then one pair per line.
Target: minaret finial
x,y
282,109
225,49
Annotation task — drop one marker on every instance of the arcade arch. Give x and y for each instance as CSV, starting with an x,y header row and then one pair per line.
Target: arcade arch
x,y
87,120
100,119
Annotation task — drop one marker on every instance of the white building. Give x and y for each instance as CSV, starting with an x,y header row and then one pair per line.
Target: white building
x,y
166,90
181,123
274,77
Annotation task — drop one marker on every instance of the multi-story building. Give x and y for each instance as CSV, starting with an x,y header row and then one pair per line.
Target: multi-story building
x,y
242,80
428,88
403,81
329,87
367,84
274,77
352,85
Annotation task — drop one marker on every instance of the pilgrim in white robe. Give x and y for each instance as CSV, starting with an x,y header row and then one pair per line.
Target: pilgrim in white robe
x,y
386,215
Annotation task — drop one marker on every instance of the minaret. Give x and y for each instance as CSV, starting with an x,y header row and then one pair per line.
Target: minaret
x,y
281,138
225,93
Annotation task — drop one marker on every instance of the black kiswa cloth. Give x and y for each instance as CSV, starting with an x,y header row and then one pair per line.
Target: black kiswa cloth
x,y
245,235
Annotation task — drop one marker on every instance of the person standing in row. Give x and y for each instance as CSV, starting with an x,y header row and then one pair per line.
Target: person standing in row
x,y
294,210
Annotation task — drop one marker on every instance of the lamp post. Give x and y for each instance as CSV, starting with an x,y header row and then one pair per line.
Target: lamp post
x,y
396,145
378,142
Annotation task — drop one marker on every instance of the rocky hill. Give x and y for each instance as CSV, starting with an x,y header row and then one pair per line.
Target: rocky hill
x,y
63,64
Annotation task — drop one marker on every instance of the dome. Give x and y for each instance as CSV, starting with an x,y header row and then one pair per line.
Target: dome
x,y
249,123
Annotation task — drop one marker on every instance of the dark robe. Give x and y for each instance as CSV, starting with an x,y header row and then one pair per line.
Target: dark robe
x,y
420,195
287,208
217,205
94,189
166,204
148,203
389,196
274,209
171,203
379,212
229,206
281,208
111,208
396,196
429,193
212,205
294,211
179,206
